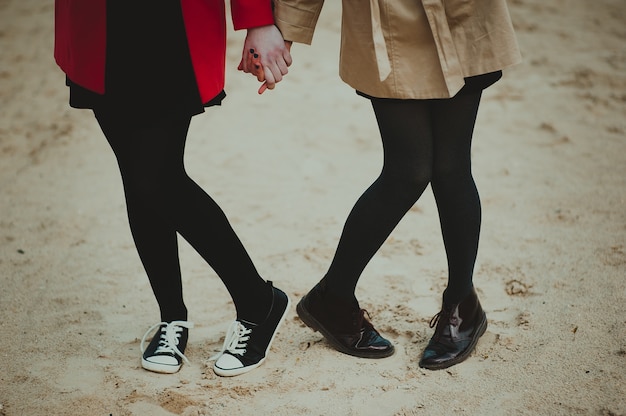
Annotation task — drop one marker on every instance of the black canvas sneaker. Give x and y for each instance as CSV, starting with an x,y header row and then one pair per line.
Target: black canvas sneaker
x,y
246,344
165,353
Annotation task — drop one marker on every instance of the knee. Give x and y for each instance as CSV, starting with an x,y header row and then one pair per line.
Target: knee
x,y
452,165
409,184
450,174
142,187
453,182
150,185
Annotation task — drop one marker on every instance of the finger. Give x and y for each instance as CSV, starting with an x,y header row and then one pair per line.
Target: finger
x,y
249,64
270,80
287,54
287,58
248,56
276,73
282,67
255,64
257,69
245,61
260,73
274,68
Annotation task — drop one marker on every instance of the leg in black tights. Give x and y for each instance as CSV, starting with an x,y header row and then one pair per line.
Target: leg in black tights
x,y
162,200
424,141
406,134
455,191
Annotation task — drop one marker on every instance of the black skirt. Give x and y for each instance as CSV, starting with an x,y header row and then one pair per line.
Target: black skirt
x,y
148,63
472,84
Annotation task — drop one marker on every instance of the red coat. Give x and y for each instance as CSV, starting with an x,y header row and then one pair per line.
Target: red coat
x,y
80,38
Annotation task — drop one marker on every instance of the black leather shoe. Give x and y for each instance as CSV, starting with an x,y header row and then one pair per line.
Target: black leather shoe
x,y
458,328
343,325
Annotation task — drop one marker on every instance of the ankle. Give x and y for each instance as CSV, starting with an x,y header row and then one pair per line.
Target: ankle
x,y
451,298
343,297
256,309
171,317
174,318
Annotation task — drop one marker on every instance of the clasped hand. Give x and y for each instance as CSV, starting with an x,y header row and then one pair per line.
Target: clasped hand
x,y
266,56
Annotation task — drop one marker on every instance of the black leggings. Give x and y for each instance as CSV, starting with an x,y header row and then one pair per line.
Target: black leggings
x,y
424,141
162,200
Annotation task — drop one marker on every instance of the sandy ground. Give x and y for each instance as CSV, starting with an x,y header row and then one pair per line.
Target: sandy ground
x,y
550,162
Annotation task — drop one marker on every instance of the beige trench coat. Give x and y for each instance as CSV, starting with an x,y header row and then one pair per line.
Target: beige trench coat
x,y
417,49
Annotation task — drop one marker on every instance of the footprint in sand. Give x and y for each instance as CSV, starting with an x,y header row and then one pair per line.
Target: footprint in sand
x,y
517,288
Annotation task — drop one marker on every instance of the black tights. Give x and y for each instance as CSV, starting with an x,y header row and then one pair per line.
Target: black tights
x,y
161,200
424,141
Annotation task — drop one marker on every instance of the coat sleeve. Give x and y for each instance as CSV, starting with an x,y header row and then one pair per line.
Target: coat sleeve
x,y
297,19
251,13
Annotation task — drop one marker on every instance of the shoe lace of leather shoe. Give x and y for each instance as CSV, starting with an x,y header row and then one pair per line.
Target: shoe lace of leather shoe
x,y
448,323
360,321
440,320
169,334
236,340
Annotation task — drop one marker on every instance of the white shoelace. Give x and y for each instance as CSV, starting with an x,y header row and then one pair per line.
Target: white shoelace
x,y
236,340
168,337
